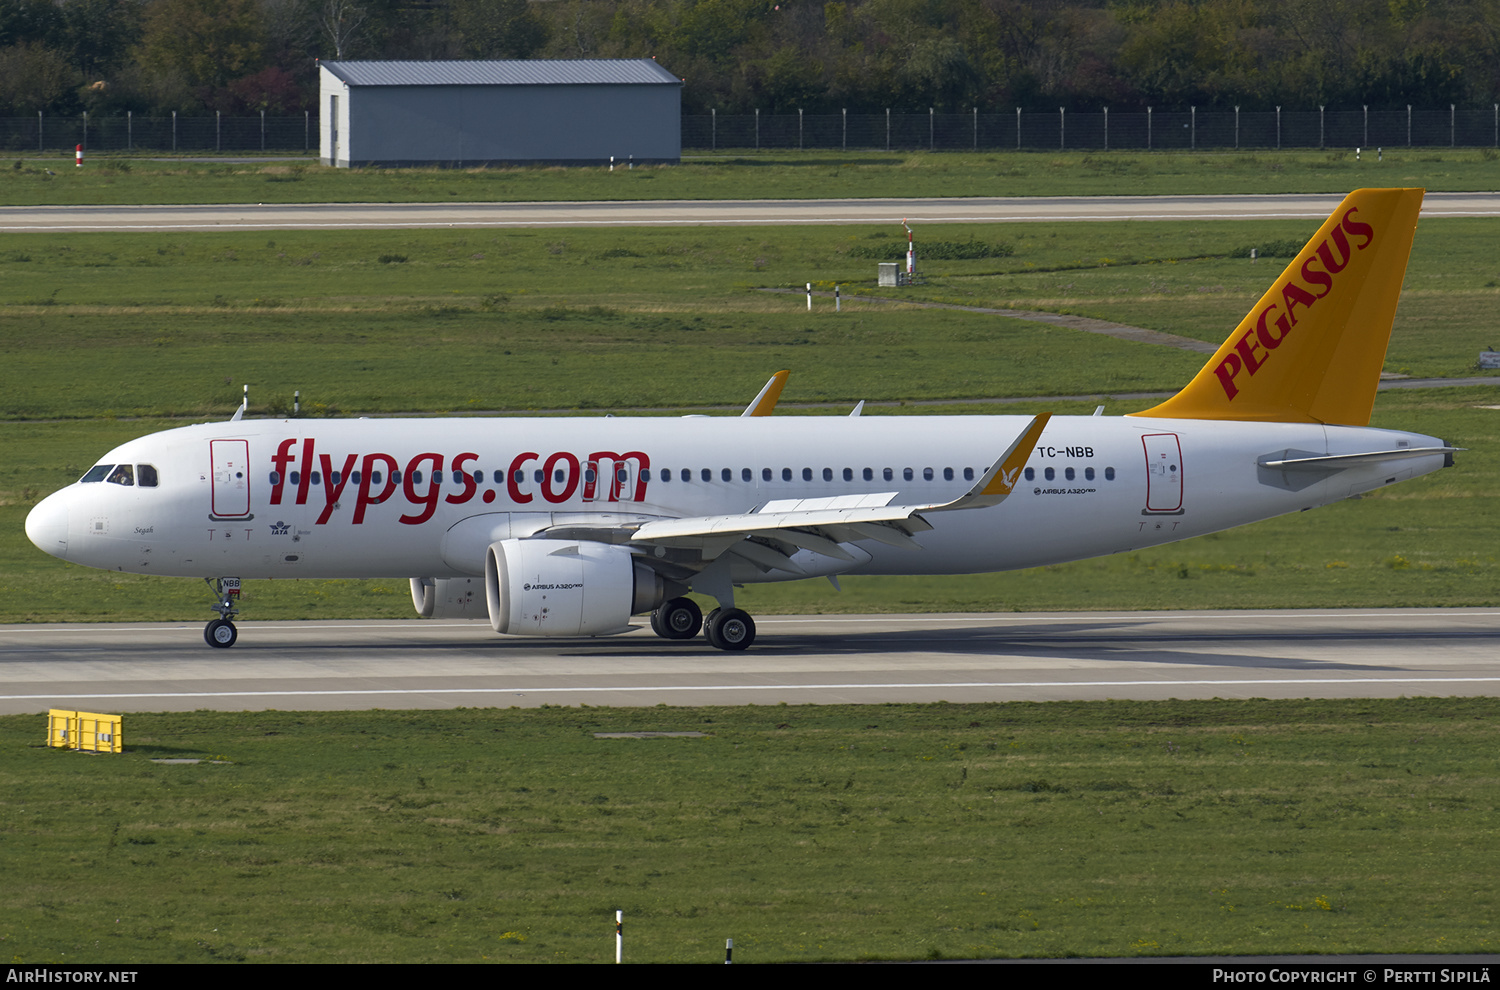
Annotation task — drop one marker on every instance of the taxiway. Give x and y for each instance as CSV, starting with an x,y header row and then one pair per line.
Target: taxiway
x,y
1354,653
718,213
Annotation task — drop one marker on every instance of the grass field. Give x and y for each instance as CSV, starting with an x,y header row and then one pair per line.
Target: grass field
x,y
453,320
803,833
777,174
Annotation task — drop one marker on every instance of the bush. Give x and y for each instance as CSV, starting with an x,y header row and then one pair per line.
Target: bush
x,y
970,250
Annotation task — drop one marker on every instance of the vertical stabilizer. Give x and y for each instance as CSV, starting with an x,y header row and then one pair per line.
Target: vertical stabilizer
x,y
1312,348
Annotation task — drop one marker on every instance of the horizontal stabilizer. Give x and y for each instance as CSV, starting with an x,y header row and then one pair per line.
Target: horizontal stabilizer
x,y
1337,462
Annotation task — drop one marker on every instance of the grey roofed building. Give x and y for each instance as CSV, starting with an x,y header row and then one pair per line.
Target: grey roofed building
x,y
571,112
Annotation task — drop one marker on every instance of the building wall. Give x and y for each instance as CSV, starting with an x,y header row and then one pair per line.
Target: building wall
x,y
476,125
329,118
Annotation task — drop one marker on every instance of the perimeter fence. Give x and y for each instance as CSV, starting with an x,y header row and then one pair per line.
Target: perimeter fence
x,y
127,132
1153,130
1021,130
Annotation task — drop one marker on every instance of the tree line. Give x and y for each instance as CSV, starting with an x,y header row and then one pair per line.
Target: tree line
x,y
153,57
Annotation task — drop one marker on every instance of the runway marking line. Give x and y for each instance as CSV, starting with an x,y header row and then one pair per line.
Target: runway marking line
x,y
522,690
104,628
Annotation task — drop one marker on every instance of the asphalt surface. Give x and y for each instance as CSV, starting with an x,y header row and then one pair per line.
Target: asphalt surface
x,y
1357,653
347,216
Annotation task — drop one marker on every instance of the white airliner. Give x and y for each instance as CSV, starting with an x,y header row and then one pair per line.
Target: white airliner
x,y
568,527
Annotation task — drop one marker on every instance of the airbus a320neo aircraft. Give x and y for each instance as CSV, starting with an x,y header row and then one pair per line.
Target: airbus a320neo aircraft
x,y
568,527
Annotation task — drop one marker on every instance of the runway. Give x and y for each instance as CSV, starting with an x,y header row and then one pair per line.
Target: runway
x,y
1356,653
717,213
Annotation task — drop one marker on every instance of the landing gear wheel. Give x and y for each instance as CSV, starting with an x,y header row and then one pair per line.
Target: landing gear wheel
x,y
730,629
680,618
220,633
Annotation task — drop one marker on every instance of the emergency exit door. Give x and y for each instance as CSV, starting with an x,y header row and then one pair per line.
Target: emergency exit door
x,y
230,461
1163,472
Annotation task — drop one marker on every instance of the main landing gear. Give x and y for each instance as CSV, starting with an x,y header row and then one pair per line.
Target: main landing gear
x,y
725,628
220,633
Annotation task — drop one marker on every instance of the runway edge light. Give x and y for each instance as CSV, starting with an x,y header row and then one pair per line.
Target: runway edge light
x,y
85,731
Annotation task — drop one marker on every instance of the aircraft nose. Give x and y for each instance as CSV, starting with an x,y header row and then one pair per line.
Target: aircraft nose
x,y
47,525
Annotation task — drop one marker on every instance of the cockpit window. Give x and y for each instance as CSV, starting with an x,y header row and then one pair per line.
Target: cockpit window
x,y
123,474
146,475
97,473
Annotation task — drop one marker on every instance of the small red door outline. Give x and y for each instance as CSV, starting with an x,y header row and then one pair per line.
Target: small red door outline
x,y
230,463
1163,472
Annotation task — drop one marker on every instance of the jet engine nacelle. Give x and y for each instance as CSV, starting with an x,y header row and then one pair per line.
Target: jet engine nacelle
x,y
449,598
566,587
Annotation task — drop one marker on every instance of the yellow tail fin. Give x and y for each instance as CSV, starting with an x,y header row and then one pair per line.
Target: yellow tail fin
x,y
1312,348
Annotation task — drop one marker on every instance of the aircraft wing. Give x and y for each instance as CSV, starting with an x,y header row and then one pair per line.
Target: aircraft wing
x,y
821,524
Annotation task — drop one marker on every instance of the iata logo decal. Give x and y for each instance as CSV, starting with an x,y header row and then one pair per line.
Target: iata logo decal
x,y
279,528
1254,347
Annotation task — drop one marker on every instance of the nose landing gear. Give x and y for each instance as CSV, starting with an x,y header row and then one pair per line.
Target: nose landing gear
x,y
220,633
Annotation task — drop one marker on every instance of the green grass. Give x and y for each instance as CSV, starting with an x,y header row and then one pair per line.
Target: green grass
x,y
780,174
804,833
175,324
